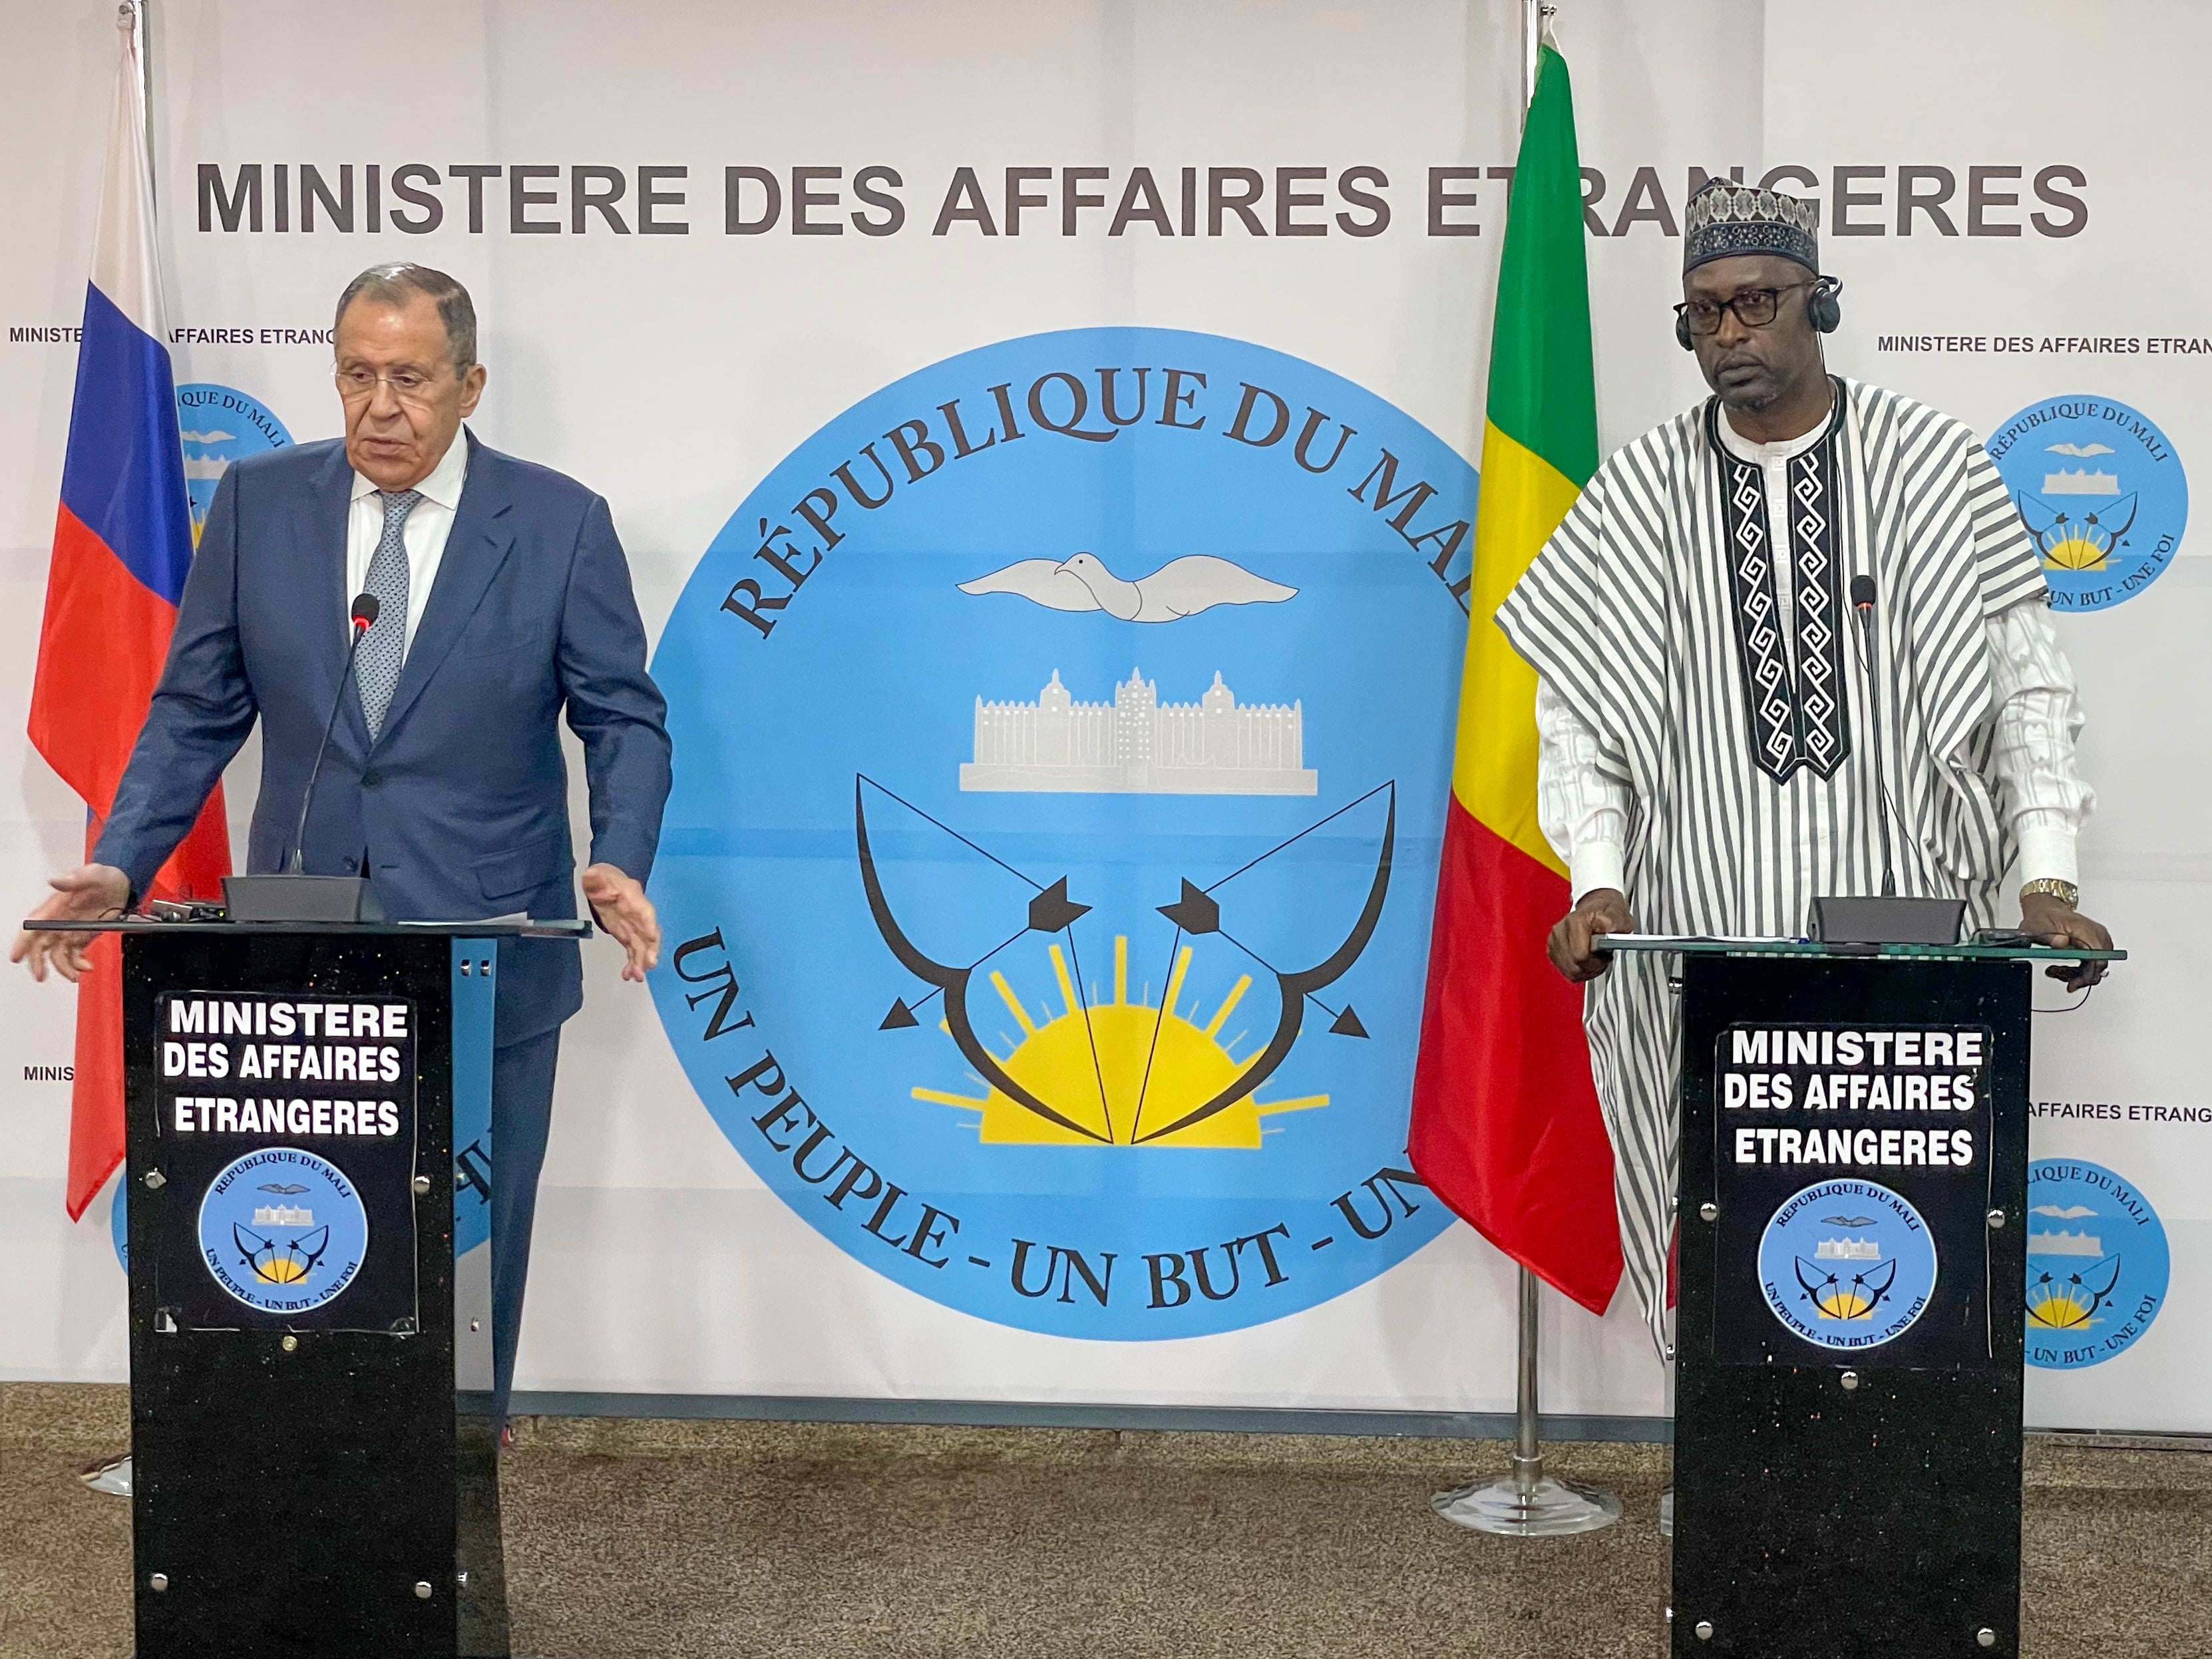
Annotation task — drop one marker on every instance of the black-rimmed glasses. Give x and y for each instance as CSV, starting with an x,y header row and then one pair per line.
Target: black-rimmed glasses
x,y
1754,308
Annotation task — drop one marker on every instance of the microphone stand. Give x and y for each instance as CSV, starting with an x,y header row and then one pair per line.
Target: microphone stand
x,y
1870,655
1888,920
294,895
361,625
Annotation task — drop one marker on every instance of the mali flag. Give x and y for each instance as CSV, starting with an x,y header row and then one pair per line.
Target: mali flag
x,y
1505,1126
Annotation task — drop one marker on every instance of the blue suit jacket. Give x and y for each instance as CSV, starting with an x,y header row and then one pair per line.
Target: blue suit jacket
x,y
461,804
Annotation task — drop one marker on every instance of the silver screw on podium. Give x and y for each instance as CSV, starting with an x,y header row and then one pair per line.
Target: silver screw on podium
x,y
1996,1217
420,1184
1704,1630
1708,1211
1850,1379
155,1181
158,1582
421,1590
1986,1637
290,1344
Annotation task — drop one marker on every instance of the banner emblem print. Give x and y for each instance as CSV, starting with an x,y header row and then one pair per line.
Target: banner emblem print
x,y
2102,493
220,424
2097,1264
1047,872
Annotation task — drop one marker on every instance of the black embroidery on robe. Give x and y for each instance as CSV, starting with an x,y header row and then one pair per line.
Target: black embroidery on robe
x,y
1799,718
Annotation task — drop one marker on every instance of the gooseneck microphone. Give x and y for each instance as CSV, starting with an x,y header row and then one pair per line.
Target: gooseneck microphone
x,y
365,608
1862,602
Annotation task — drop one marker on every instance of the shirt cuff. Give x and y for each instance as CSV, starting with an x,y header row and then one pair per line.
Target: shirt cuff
x,y
2047,854
1598,864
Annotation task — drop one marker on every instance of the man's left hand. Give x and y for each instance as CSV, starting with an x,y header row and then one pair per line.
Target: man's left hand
x,y
2050,920
619,905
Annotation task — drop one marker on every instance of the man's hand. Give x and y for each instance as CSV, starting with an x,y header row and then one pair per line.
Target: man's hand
x,y
619,905
2050,921
1603,910
91,892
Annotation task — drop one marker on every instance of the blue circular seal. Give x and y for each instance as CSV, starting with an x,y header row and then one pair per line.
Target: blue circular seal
x,y
2097,1264
2101,492
1063,737
283,1230
221,425
1847,1264
118,1217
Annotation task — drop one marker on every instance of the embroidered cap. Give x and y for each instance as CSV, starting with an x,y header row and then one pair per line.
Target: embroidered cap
x,y
1725,220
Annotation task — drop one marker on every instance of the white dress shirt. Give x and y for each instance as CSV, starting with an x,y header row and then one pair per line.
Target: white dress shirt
x,y
427,526
1583,793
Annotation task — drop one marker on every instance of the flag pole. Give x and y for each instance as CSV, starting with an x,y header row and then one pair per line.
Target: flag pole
x,y
1527,1502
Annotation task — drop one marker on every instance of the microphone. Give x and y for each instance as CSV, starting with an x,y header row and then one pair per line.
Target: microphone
x,y
1862,602
365,608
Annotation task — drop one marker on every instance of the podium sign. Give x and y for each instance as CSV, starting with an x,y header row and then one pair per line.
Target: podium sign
x,y
291,1115
1852,1170
1852,1202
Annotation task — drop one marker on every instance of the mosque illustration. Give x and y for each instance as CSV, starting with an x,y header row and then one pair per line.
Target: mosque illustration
x,y
1848,1250
1136,744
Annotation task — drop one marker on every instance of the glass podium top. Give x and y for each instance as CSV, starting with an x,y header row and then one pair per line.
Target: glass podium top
x,y
1695,944
489,928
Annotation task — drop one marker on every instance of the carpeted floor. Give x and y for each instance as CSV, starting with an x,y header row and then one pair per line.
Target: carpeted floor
x,y
626,1538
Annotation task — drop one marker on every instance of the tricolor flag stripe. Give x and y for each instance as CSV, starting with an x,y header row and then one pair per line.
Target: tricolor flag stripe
x,y
1506,1127
1494,767
124,479
122,542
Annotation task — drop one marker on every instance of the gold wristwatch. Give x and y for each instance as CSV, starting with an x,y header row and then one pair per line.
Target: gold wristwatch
x,y
2064,892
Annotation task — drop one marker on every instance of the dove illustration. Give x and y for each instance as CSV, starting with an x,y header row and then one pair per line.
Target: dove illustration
x,y
1181,587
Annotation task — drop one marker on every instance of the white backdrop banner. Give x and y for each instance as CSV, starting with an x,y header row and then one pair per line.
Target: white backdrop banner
x,y
1044,439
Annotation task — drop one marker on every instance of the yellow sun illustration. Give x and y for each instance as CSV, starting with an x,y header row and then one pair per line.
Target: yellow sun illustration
x,y
2061,1308
282,1268
2076,552
1843,1302
1121,1069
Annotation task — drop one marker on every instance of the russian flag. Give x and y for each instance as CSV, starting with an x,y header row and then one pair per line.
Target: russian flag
x,y
123,541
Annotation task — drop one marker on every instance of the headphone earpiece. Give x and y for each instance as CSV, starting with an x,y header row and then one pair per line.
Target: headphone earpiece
x,y
1682,331
1823,306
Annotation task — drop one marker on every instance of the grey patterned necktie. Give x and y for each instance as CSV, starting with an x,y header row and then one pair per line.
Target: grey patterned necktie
x,y
376,670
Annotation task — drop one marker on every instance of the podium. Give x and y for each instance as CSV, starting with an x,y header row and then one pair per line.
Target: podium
x,y
1851,1223
290,1094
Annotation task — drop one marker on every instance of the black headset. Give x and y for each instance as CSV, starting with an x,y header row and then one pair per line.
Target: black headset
x,y
1824,309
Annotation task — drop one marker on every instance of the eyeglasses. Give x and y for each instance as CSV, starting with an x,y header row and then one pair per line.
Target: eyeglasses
x,y
410,385
1754,308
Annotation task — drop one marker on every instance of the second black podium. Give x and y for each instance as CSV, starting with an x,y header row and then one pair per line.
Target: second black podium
x,y
1851,1215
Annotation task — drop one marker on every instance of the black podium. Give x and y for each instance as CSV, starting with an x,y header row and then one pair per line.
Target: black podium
x,y
291,1092
1851,1215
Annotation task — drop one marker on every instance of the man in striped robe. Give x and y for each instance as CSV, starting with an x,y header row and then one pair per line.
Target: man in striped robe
x,y
1707,736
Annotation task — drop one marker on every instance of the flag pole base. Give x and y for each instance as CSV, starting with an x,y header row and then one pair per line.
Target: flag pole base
x,y
1526,1503
1514,1507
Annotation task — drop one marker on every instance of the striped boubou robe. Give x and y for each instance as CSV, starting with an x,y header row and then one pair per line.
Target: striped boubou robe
x,y
1653,613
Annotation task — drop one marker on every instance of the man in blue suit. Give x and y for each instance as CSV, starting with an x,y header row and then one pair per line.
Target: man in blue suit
x,y
504,599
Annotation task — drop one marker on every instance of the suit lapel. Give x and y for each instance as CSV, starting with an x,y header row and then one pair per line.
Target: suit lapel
x,y
476,547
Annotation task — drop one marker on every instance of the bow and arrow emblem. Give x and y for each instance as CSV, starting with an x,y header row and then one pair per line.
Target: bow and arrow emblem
x,y
1196,911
